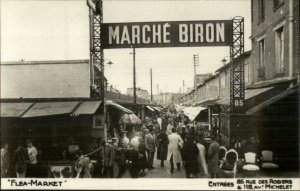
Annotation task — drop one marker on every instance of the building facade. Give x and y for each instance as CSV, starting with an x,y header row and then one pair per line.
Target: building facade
x,y
271,73
141,93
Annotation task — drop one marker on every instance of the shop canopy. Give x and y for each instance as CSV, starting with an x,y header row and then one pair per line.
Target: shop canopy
x,y
14,109
156,108
87,108
118,106
192,112
130,118
150,108
271,101
51,108
249,93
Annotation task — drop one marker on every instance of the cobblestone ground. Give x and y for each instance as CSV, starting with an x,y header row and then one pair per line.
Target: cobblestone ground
x,y
164,172
160,172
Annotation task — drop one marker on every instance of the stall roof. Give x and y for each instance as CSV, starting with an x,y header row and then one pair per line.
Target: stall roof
x,y
271,100
156,108
150,108
192,112
87,108
249,93
51,108
118,106
14,109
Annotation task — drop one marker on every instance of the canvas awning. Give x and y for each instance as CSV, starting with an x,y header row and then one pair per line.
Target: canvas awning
x,y
118,106
205,102
156,108
87,108
249,93
150,108
192,112
41,109
130,119
14,109
271,101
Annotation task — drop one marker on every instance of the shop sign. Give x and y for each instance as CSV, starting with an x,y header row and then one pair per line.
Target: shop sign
x,y
167,34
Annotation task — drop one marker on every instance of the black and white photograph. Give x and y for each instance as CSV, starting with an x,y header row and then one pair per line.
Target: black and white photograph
x,y
150,94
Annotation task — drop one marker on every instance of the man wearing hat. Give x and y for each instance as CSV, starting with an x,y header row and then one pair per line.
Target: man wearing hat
x,y
32,162
150,142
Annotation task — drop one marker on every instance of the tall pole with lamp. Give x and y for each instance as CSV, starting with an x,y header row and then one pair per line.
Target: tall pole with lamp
x,y
196,63
134,82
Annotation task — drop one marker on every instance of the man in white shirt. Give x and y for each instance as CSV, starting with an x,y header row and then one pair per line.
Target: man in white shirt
x,y
32,154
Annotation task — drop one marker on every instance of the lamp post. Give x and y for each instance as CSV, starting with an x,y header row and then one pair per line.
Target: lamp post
x,y
151,84
134,83
196,63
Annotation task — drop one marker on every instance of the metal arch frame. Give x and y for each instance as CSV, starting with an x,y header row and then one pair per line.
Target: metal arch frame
x,y
237,80
98,81
96,51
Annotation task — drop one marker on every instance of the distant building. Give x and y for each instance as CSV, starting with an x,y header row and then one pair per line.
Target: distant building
x,y
200,78
141,93
166,98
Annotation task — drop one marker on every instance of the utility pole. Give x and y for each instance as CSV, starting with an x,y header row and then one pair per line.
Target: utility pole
x,y
151,84
196,63
134,83
182,86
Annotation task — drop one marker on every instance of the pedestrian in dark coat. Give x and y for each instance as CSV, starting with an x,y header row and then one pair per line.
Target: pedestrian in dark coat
x,y
213,157
21,158
162,150
190,153
132,161
143,164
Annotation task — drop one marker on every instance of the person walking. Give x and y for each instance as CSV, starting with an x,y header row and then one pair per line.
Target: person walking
x,y
150,142
21,158
174,155
159,121
170,127
190,153
162,149
108,156
143,164
213,157
82,166
201,158
4,160
132,161
32,162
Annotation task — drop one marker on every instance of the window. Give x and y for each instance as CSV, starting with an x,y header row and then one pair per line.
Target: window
x,y
261,8
261,53
223,81
279,51
261,66
247,72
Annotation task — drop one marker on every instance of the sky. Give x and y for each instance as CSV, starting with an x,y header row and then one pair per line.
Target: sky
x,y
59,30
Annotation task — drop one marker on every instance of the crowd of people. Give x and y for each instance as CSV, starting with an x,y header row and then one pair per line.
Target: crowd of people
x,y
169,136
23,162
